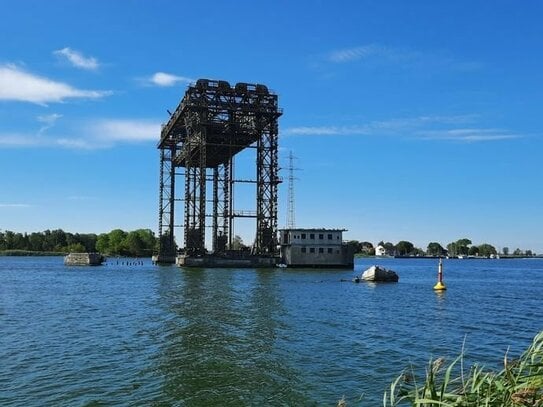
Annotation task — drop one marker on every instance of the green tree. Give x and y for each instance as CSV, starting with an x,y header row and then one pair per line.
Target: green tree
x,y
116,239
133,245
486,250
452,249
435,249
473,251
367,248
389,248
462,246
404,247
102,244
36,241
355,245
148,238
76,248
417,251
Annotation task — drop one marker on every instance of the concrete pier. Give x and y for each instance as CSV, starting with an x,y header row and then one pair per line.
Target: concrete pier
x,y
83,259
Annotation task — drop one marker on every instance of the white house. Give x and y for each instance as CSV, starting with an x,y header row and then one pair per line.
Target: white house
x,y
380,250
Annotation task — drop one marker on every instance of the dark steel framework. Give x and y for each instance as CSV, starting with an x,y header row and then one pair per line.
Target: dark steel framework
x,y
212,123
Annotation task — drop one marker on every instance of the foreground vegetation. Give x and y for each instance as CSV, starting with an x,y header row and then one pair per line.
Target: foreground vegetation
x,y
519,383
137,243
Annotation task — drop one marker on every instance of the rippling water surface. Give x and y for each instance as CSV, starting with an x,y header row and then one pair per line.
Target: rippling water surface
x,y
144,335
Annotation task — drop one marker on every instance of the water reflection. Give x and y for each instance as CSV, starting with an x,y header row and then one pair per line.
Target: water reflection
x,y
219,344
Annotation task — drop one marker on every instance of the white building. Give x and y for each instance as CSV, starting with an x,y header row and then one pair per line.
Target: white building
x,y
315,248
380,250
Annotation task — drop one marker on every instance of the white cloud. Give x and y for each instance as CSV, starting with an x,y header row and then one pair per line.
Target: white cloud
x,y
19,85
76,144
373,51
377,54
126,130
470,135
14,205
18,140
48,121
421,127
352,54
377,126
165,79
99,134
77,59
324,130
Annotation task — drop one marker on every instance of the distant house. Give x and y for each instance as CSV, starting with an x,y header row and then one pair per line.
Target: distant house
x,y
380,250
315,248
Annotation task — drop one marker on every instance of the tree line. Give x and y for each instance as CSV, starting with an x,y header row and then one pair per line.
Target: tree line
x,y
137,243
460,247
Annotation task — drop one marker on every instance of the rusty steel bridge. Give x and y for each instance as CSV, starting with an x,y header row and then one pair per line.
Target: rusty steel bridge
x,y
213,122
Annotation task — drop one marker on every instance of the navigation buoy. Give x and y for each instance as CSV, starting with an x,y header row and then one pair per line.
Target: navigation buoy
x,y
440,286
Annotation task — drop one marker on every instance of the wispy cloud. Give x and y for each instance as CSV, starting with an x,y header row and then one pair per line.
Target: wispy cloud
x,y
366,52
379,54
18,140
378,126
126,130
421,127
77,59
370,51
88,135
107,133
470,135
17,84
164,79
48,121
14,205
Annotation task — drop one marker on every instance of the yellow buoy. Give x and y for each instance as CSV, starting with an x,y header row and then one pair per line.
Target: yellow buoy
x,y
440,286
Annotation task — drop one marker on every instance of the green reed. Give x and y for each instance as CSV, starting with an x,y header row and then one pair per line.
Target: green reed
x,y
518,384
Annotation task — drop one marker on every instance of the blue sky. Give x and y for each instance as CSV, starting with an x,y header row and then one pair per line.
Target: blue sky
x,y
410,120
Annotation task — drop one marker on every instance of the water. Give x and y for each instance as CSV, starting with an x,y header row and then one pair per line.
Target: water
x,y
143,335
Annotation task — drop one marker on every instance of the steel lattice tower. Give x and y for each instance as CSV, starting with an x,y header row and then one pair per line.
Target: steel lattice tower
x,y
212,123
291,209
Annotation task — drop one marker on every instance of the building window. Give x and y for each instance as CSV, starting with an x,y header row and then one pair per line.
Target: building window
x,y
312,236
330,250
303,235
321,250
311,250
303,250
329,236
321,236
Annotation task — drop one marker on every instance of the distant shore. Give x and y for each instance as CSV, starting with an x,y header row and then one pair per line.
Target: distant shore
x,y
501,256
30,253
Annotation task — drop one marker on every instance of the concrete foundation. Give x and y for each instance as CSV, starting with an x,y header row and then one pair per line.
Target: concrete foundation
x,y
163,260
83,259
226,262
